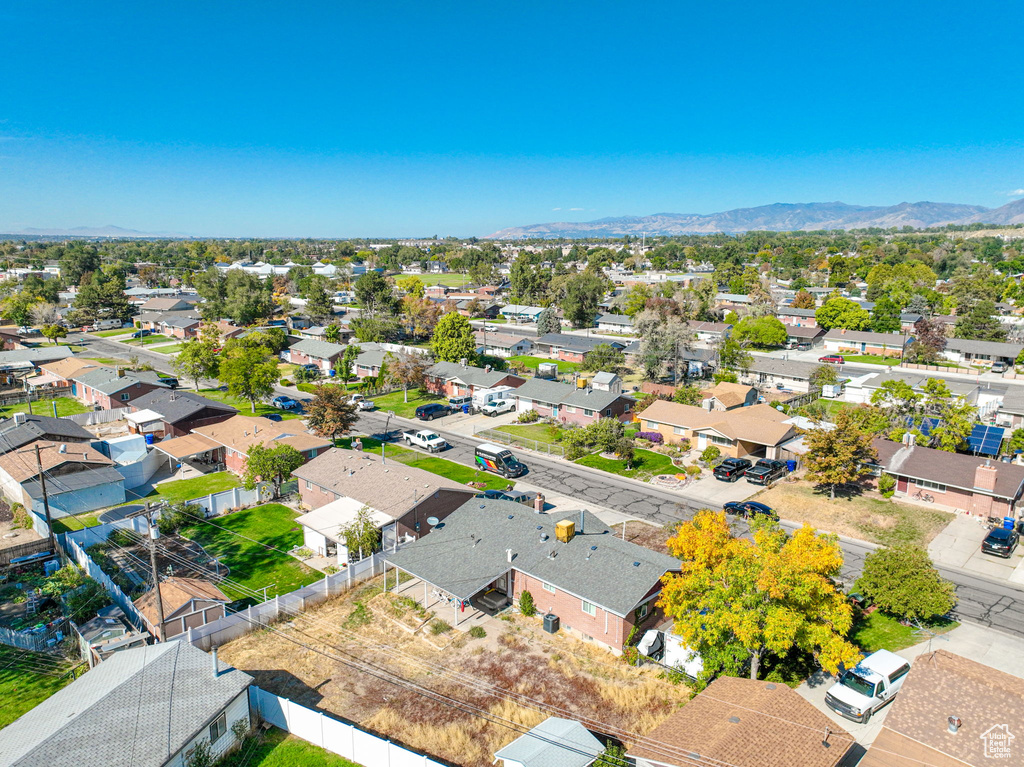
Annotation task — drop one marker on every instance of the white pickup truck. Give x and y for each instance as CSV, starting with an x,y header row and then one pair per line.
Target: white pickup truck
x,y
426,439
864,689
361,402
498,406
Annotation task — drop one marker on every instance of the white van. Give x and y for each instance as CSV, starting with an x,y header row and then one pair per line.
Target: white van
x,y
872,683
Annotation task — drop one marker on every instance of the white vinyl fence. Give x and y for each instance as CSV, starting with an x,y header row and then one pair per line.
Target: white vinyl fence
x,y
41,640
216,504
335,736
98,416
285,606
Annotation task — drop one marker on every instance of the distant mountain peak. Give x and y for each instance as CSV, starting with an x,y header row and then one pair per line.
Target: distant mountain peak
x,y
110,230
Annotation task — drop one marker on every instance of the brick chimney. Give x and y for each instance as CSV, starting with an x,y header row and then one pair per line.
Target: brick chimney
x,y
985,477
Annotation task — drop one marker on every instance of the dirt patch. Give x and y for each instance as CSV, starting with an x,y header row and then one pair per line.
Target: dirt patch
x,y
515,656
15,536
867,516
643,534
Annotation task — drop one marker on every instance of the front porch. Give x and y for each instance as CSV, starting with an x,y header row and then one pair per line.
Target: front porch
x,y
479,610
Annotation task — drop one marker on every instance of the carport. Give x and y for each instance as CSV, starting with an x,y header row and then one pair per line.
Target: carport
x,y
193,451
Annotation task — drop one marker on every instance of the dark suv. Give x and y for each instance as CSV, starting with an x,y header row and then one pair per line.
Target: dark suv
x,y
432,411
1000,542
731,469
766,471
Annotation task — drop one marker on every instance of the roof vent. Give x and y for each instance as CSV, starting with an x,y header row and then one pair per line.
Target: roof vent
x,y
62,449
510,516
544,536
769,686
955,723
734,719
483,506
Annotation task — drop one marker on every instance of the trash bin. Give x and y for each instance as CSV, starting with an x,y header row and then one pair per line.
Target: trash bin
x,y
790,466
1008,523
149,439
551,623
465,409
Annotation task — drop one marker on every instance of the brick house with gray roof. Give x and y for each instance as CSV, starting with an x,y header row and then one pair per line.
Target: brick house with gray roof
x,y
570,404
490,552
572,348
323,354
110,388
452,379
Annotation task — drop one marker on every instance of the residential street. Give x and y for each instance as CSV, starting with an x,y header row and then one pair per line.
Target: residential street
x,y
982,600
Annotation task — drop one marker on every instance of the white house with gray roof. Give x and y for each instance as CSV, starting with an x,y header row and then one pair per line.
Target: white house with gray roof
x,y
143,707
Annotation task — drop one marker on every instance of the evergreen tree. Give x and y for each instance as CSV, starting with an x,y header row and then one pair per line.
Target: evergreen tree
x,y
453,339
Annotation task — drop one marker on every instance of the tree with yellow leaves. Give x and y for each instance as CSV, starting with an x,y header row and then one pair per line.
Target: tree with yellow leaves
x,y
737,600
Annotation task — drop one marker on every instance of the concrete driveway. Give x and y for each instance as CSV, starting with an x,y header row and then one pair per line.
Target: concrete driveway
x,y
977,643
959,545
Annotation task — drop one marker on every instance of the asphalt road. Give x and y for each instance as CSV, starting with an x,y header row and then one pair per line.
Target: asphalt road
x,y
990,603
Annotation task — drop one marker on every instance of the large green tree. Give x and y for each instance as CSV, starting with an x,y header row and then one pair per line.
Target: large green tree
x,y
840,312
198,357
250,373
548,322
838,456
270,464
903,582
604,357
319,301
980,323
885,317
583,293
765,332
453,339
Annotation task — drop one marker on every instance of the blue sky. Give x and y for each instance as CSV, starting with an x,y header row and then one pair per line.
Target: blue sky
x,y
400,119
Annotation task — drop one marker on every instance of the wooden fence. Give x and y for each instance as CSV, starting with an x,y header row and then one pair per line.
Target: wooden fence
x,y
19,397
23,550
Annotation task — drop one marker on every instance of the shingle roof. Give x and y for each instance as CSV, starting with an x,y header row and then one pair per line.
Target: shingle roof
x,y
576,343
555,393
729,394
951,469
240,432
67,367
468,374
747,723
867,336
392,488
790,311
470,550
35,356
991,348
107,381
175,593
615,319
178,405
501,340
181,322
70,483
320,349
760,424
14,435
22,465
799,331
554,742
941,684
787,368
165,304
136,709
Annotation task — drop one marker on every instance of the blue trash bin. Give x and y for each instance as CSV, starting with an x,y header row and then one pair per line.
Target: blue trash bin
x,y
1008,522
790,466
465,409
149,439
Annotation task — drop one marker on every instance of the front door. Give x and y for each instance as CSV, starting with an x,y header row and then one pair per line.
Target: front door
x,y
554,411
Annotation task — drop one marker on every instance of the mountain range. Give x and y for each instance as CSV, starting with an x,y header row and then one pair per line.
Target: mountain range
x,y
114,232
779,217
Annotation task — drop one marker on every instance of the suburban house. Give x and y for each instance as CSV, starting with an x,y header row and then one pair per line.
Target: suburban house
x,y
452,379
22,429
166,305
862,388
803,318
615,323
323,354
1011,409
969,483
843,341
477,307
228,441
502,344
757,431
489,552
908,320
570,348
555,742
799,334
368,363
21,363
108,633
571,404
966,352
179,327
155,322
10,341
110,388
518,313
172,690
188,603
745,723
952,712
338,483
60,461
60,373
709,331
732,299
728,396
78,492
175,413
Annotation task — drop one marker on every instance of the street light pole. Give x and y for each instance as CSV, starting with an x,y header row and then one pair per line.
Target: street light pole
x,y
387,423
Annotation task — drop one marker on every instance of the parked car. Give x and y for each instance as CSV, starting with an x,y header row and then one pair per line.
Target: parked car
x,y
463,402
803,347
499,406
498,459
428,440
765,471
142,333
312,368
361,402
170,381
999,366
285,403
525,497
832,359
862,690
731,469
432,411
273,417
749,509
1000,542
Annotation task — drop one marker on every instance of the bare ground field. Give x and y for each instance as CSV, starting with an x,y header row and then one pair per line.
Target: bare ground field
x,y
514,656
868,516
643,534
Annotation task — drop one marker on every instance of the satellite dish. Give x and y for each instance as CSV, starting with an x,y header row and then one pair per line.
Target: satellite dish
x,y
432,521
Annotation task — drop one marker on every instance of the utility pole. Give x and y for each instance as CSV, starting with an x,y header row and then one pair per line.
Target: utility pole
x,y
156,579
46,500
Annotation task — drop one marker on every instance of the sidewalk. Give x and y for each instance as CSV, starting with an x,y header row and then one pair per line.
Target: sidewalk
x,y
959,546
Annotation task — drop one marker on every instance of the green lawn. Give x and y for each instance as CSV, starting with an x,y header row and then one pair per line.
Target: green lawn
x,y
174,349
879,631
450,279
77,522
250,563
189,489
279,749
396,401
115,332
871,359
73,347
533,362
645,463
108,360
65,406
22,690
262,408
147,340
541,432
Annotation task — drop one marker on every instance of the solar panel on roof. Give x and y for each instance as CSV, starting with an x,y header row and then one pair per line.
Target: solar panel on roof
x,y
986,439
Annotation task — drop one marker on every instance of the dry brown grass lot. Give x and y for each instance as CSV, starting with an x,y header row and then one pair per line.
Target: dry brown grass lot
x,y
515,656
868,516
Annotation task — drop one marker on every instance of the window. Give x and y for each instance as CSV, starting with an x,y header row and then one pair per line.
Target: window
x,y
309,485
678,430
219,727
570,409
643,610
899,673
924,484
588,413
548,587
652,424
312,453
589,608
716,440
125,397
